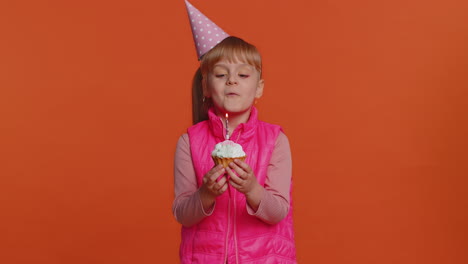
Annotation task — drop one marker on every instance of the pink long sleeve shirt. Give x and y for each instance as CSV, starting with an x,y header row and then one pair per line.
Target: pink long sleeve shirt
x,y
274,205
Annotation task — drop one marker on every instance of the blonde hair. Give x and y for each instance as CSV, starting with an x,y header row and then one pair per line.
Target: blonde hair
x,y
232,49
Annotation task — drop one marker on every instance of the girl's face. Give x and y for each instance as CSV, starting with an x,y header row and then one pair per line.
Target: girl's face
x,y
233,86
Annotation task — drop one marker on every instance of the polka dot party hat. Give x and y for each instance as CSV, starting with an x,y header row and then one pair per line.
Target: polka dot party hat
x,y
206,34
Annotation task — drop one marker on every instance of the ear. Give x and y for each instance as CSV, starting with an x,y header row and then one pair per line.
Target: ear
x,y
259,91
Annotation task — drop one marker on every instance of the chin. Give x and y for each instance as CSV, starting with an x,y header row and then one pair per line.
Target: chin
x,y
237,110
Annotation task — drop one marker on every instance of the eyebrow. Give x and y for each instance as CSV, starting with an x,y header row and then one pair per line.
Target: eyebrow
x,y
225,65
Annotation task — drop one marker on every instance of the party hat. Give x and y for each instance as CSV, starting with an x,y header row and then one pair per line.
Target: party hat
x,y
206,34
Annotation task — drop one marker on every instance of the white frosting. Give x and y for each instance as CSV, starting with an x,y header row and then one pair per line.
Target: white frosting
x,y
228,149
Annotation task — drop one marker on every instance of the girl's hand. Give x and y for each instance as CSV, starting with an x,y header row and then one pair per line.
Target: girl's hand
x,y
212,186
244,180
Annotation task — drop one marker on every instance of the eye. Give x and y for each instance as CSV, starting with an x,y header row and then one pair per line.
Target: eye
x,y
220,75
244,75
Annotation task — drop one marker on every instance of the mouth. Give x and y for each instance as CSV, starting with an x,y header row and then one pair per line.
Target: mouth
x,y
231,94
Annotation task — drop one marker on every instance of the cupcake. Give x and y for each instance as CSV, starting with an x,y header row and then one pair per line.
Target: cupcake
x,y
225,152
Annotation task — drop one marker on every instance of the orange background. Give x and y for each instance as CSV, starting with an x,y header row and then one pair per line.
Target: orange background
x,y
372,94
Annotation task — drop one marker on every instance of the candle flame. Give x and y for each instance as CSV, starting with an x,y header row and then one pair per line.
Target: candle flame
x,y
227,115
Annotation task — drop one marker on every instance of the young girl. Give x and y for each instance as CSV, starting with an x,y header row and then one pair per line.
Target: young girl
x,y
241,213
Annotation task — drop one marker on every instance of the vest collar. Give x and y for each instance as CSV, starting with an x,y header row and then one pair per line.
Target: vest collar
x,y
243,131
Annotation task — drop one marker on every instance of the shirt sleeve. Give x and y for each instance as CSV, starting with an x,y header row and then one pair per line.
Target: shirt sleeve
x,y
187,207
274,205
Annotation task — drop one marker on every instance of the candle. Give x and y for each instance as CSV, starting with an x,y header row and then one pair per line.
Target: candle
x,y
227,128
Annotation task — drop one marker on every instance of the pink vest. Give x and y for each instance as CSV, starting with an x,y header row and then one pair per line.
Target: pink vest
x,y
230,234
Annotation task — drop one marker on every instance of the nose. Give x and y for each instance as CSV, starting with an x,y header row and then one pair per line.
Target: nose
x,y
231,80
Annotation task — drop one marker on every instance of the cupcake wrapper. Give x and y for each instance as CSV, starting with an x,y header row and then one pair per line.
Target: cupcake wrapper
x,y
226,161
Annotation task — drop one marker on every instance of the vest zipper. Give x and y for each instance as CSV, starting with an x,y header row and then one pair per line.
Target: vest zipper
x,y
225,129
233,200
235,227
226,242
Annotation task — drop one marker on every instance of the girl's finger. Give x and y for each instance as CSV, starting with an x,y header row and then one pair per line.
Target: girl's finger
x,y
234,177
240,171
243,165
221,187
217,169
209,177
222,180
234,184
218,172
224,188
